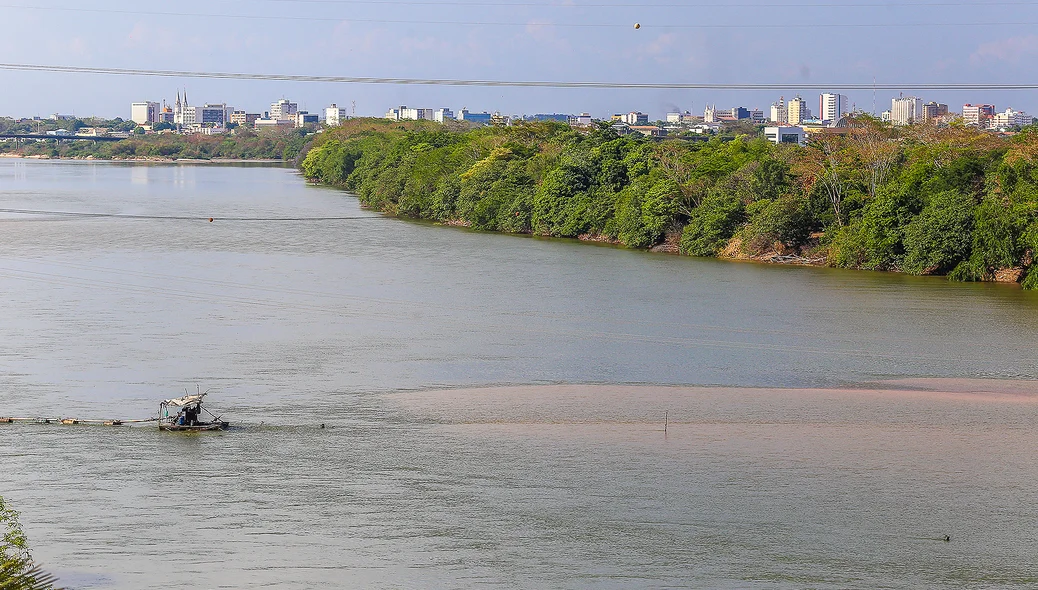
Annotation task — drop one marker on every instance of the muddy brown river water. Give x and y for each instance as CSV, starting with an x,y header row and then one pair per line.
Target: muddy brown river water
x,y
494,406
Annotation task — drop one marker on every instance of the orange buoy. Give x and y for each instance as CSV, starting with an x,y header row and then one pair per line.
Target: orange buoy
x,y
210,220
637,25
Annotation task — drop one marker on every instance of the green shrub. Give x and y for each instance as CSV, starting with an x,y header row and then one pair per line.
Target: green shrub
x,y
711,225
941,236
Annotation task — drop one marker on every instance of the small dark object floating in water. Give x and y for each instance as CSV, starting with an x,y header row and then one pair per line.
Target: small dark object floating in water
x,y
188,410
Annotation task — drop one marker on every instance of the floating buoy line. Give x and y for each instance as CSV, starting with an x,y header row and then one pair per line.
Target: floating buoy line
x,y
72,421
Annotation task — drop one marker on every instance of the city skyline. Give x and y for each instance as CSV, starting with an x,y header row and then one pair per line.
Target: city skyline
x,y
912,45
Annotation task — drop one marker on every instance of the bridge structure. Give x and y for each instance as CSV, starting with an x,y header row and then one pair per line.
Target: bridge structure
x,y
37,136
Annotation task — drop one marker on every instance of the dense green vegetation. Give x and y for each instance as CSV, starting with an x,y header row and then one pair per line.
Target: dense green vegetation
x,y
17,571
9,125
920,200
266,144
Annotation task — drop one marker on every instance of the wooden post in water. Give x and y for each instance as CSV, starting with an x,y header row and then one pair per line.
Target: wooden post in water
x,y
666,422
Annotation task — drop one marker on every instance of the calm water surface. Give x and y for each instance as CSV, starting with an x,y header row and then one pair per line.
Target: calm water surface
x,y
309,320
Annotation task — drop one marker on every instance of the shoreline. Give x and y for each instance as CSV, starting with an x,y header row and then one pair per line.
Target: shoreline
x,y
14,156
771,258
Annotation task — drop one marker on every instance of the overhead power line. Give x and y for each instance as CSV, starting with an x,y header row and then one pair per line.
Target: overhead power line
x,y
490,23
516,83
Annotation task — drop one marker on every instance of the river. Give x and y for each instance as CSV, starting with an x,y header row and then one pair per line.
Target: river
x,y
498,411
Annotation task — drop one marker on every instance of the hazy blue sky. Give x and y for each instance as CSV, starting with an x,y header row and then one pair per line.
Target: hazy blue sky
x,y
787,41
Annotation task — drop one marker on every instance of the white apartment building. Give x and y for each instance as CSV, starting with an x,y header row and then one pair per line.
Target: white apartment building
x,y
416,114
779,112
443,115
905,110
1010,119
185,115
797,111
833,106
403,113
143,113
583,119
636,118
284,110
334,115
978,115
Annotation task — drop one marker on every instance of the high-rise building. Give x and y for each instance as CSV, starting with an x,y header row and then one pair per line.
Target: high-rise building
x,y
416,114
284,110
833,106
443,115
636,118
143,113
906,110
797,111
934,110
779,112
213,115
334,115
978,115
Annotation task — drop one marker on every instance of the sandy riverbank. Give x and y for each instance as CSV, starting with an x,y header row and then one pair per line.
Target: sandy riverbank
x,y
634,410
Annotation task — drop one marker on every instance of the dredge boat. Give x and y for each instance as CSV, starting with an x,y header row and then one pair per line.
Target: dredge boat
x,y
183,414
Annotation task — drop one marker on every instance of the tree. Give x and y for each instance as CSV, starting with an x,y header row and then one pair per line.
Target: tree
x,y
941,236
712,224
17,570
678,164
827,167
876,150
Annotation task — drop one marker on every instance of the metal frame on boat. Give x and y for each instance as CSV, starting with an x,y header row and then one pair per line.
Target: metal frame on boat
x,y
186,413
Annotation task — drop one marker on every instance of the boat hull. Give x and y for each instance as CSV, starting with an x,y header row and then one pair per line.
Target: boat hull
x,y
207,427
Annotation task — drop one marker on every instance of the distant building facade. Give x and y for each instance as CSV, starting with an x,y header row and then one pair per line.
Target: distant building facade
x,y
797,111
978,115
334,115
906,110
483,118
244,119
304,118
144,113
779,113
213,115
933,111
832,107
1010,119
284,110
780,134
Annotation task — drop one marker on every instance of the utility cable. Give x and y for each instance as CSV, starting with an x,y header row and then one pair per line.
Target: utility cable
x,y
488,23
513,83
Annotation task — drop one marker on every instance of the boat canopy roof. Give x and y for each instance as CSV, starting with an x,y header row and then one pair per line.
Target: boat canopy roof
x,y
185,401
